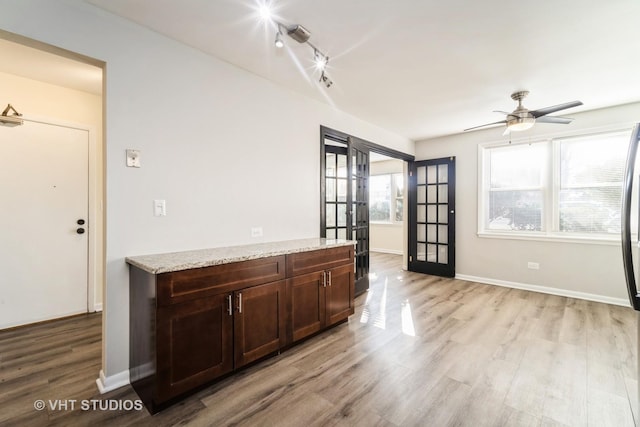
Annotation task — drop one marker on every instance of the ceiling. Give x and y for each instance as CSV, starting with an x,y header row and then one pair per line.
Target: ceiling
x,y
421,68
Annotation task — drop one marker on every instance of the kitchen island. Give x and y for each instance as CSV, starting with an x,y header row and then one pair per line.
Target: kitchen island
x,y
197,316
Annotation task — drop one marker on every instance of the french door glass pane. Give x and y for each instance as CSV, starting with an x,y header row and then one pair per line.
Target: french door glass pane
x,y
443,171
442,193
432,255
425,213
422,233
432,233
443,257
422,176
432,195
331,215
422,194
342,190
443,214
331,190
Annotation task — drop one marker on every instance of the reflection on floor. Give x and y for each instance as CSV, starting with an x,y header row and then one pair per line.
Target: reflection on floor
x,y
420,350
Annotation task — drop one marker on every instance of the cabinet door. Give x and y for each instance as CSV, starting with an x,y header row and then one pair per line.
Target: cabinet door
x,y
259,321
195,344
307,304
339,294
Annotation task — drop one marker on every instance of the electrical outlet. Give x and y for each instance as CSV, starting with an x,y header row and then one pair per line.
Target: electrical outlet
x,y
533,265
256,231
133,158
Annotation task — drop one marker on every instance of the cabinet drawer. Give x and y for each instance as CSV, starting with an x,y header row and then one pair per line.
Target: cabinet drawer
x,y
308,262
180,286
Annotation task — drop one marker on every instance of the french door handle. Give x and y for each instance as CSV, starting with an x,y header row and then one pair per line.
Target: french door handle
x,y
239,302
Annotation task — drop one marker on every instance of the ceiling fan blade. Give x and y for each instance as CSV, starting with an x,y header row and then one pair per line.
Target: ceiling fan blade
x,y
554,119
488,124
548,110
502,112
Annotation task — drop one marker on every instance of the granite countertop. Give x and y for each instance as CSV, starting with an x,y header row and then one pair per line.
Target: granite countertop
x,y
177,261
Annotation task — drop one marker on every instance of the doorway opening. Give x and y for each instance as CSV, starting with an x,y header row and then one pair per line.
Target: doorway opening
x,y
345,171
72,130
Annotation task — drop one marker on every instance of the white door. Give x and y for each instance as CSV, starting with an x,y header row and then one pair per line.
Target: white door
x,y
43,200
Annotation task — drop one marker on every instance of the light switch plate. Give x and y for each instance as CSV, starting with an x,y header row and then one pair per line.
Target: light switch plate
x,y
159,208
133,158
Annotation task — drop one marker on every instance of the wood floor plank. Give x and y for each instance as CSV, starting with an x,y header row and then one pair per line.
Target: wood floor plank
x,y
419,350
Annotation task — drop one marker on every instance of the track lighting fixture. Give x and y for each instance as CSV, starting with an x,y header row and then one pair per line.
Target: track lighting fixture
x,y
302,35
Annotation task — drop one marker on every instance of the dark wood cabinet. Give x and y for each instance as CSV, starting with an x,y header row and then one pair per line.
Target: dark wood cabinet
x,y
194,344
190,327
259,322
320,298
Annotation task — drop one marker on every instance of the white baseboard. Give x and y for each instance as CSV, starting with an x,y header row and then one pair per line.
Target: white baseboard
x,y
386,251
106,384
547,290
97,307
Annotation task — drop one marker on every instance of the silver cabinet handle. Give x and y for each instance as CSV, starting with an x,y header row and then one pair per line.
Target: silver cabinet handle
x,y
324,279
230,306
329,278
239,302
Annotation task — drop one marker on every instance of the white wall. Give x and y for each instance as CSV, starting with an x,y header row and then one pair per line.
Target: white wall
x,y
388,238
35,99
592,271
209,134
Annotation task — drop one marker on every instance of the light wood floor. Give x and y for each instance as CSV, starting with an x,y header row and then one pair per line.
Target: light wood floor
x,y
420,350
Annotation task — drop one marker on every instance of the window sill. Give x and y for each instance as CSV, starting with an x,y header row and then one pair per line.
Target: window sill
x,y
554,237
386,223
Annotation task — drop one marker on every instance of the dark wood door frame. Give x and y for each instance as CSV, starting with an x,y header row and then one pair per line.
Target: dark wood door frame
x,y
351,142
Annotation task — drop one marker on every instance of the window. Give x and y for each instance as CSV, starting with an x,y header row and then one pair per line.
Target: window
x,y
386,201
561,187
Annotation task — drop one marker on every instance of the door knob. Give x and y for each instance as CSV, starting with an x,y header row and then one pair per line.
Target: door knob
x,y
80,222
80,230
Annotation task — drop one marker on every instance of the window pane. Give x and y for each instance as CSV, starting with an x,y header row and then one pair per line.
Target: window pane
x,y
591,173
515,210
399,209
518,166
380,198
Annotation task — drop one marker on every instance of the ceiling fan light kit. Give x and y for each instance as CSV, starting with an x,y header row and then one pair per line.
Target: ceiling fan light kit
x,y
522,118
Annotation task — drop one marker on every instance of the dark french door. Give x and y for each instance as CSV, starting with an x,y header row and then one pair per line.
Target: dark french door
x,y
345,198
432,217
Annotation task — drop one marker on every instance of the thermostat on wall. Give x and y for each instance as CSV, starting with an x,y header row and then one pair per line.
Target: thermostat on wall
x,y
133,158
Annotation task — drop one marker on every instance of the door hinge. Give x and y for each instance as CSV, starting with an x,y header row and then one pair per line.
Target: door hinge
x,y
410,173
410,258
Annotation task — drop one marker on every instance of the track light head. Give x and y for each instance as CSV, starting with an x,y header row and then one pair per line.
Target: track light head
x,y
279,42
320,60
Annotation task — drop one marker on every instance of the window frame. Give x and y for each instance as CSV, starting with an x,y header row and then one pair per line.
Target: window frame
x,y
550,216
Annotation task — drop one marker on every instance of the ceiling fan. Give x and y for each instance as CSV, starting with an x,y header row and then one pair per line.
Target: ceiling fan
x,y
522,118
